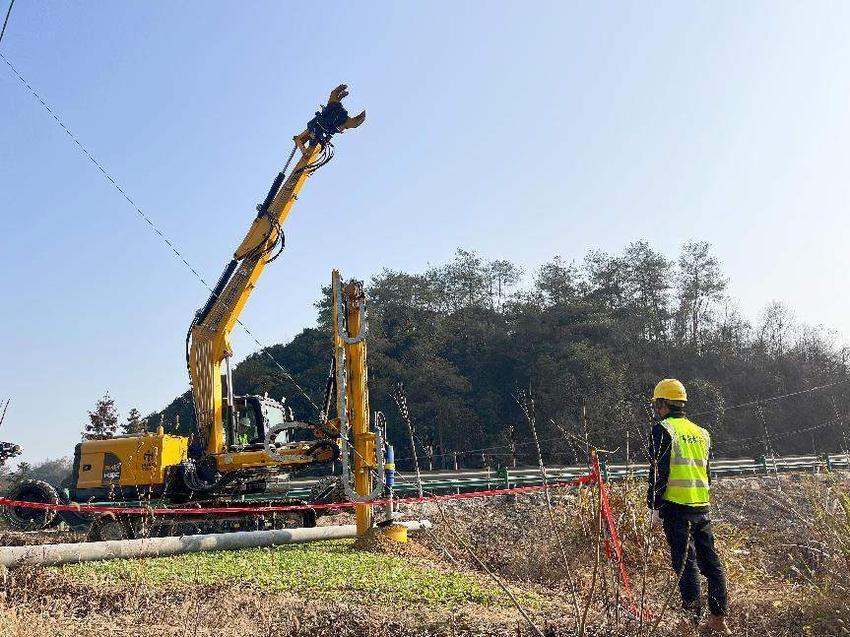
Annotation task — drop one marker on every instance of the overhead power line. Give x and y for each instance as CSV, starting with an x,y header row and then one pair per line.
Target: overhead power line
x,y
611,427
6,21
621,426
150,223
753,403
103,171
5,407
263,348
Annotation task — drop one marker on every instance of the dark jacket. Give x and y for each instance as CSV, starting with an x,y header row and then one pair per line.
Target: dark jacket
x,y
659,472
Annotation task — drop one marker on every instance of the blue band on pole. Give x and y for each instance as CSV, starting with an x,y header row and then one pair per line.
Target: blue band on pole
x,y
389,467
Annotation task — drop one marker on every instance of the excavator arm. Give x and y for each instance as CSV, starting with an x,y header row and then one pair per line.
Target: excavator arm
x,y
208,340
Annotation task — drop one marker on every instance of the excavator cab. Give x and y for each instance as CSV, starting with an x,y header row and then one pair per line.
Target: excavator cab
x,y
246,424
254,416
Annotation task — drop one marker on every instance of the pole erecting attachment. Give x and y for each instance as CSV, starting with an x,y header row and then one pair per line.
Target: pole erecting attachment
x,y
364,451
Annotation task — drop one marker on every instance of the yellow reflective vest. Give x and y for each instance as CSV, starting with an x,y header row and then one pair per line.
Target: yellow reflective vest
x,y
688,480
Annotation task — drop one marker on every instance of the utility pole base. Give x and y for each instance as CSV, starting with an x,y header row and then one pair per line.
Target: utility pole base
x,y
395,532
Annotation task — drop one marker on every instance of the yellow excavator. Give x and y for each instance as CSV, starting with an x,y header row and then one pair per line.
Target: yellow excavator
x,y
239,441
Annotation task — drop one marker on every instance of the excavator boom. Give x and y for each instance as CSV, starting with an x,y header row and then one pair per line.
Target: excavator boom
x,y
238,443
208,340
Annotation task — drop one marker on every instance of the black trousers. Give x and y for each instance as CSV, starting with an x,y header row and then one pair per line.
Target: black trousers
x,y
692,552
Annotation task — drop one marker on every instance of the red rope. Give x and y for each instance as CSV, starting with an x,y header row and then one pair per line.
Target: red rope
x,y
613,547
126,510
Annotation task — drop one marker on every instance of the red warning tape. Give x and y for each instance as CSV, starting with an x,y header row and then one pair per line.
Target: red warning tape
x,y
126,510
613,546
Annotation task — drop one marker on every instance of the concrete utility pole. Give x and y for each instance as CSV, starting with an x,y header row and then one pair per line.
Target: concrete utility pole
x,y
845,447
512,435
768,451
357,400
55,554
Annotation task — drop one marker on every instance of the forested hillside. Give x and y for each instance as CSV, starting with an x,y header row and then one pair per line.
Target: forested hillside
x,y
464,338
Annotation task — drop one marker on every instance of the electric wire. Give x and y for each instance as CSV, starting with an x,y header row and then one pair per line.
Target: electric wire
x,y
613,427
5,407
6,21
616,427
152,225
753,403
327,154
718,442
325,157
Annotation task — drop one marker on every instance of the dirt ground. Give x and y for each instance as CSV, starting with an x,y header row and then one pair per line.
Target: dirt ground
x,y
785,544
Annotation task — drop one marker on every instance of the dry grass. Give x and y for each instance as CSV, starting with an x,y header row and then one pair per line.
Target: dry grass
x,y
44,601
21,538
787,555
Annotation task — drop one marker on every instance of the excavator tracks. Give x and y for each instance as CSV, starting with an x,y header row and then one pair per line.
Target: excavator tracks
x,y
118,526
115,525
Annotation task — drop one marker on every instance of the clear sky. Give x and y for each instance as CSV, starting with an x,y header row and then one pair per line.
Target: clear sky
x,y
521,130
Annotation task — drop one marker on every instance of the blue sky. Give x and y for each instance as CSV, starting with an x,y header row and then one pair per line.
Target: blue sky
x,y
520,130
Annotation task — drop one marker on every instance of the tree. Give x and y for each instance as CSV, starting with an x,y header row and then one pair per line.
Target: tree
x,y
54,471
775,330
464,282
462,335
556,282
731,331
134,424
503,276
21,473
700,283
103,421
607,279
648,285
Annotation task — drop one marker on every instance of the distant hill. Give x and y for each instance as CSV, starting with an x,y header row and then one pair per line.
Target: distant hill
x,y
465,337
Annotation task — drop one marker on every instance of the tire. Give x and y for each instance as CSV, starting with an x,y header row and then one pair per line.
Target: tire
x,y
25,519
109,527
76,521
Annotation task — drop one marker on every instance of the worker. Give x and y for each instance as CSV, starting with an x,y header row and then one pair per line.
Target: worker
x,y
246,431
678,496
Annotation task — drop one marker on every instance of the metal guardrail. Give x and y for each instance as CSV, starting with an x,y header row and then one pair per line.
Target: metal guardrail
x,y
467,480
480,479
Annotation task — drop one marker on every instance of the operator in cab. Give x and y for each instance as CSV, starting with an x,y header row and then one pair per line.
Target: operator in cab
x,y
246,430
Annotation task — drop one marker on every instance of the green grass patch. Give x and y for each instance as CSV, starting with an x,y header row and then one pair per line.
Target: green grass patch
x,y
321,569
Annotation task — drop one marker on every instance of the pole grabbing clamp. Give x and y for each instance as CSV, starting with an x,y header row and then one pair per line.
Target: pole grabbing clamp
x,y
331,119
357,297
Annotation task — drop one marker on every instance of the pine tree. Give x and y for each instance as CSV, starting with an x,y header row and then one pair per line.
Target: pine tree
x,y
103,421
701,284
134,423
599,332
20,474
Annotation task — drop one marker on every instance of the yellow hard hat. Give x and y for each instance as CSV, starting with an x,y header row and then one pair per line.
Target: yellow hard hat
x,y
670,389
